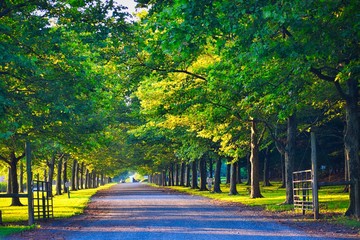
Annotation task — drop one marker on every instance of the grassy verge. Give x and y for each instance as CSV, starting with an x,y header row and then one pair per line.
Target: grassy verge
x,y
14,218
332,200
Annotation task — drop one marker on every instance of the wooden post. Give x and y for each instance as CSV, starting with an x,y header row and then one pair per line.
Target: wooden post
x,y
29,184
314,176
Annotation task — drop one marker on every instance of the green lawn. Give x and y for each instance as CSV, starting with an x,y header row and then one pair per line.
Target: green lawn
x,y
15,217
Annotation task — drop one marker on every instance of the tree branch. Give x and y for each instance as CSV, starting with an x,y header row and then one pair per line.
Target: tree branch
x,y
324,77
174,71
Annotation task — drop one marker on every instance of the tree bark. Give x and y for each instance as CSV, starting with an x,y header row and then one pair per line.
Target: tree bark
x,y
9,185
176,174
90,180
163,177
351,143
228,170
188,176
82,175
21,177
77,176
15,201
194,178
65,176
211,171
86,178
233,190
73,176
51,166
182,174
217,181
238,172
58,180
254,159
171,175
102,183
290,154
202,166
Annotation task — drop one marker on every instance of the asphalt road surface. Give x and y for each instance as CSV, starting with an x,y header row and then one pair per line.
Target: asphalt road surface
x,y
137,211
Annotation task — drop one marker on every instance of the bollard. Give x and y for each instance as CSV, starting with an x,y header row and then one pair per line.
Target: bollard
x,y
1,222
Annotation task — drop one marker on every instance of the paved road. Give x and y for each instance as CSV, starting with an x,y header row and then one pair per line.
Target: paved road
x,y
137,211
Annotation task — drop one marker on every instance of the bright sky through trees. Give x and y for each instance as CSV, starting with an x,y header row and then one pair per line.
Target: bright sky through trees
x,y
130,4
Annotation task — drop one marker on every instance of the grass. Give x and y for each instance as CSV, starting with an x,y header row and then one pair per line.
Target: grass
x,y
14,218
332,200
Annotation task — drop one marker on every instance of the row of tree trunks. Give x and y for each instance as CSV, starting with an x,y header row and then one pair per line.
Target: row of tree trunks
x,y
188,175
189,172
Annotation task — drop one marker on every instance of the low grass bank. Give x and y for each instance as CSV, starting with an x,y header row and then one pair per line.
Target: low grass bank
x,y
332,200
15,218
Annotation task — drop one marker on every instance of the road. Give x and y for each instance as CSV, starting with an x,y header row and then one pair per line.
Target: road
x,y
137,211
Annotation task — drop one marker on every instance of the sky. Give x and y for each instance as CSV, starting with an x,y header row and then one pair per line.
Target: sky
x,y
130,4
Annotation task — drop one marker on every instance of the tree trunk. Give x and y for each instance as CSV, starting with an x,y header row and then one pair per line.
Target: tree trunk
x,y
86,178
90,180
51,172
211,174
58,180
14,181
266,173
182,174
163,178
228,170
65,176
188,176
254,159
233,190
351,143
217,181
176,174
202,166
102,183
290,158
9,185
73,176
77,176
82,175
21,177
171,175
238,172
194,178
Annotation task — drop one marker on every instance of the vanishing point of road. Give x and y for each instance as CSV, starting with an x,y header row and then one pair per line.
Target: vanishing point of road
x,y
138,211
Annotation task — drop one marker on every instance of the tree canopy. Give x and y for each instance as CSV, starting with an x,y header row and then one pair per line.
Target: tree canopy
x,y
181,81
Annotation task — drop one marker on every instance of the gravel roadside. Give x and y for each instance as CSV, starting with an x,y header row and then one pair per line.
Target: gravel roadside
x,y
138,211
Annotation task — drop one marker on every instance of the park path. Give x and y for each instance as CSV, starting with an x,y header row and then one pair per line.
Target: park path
x,y
138,211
